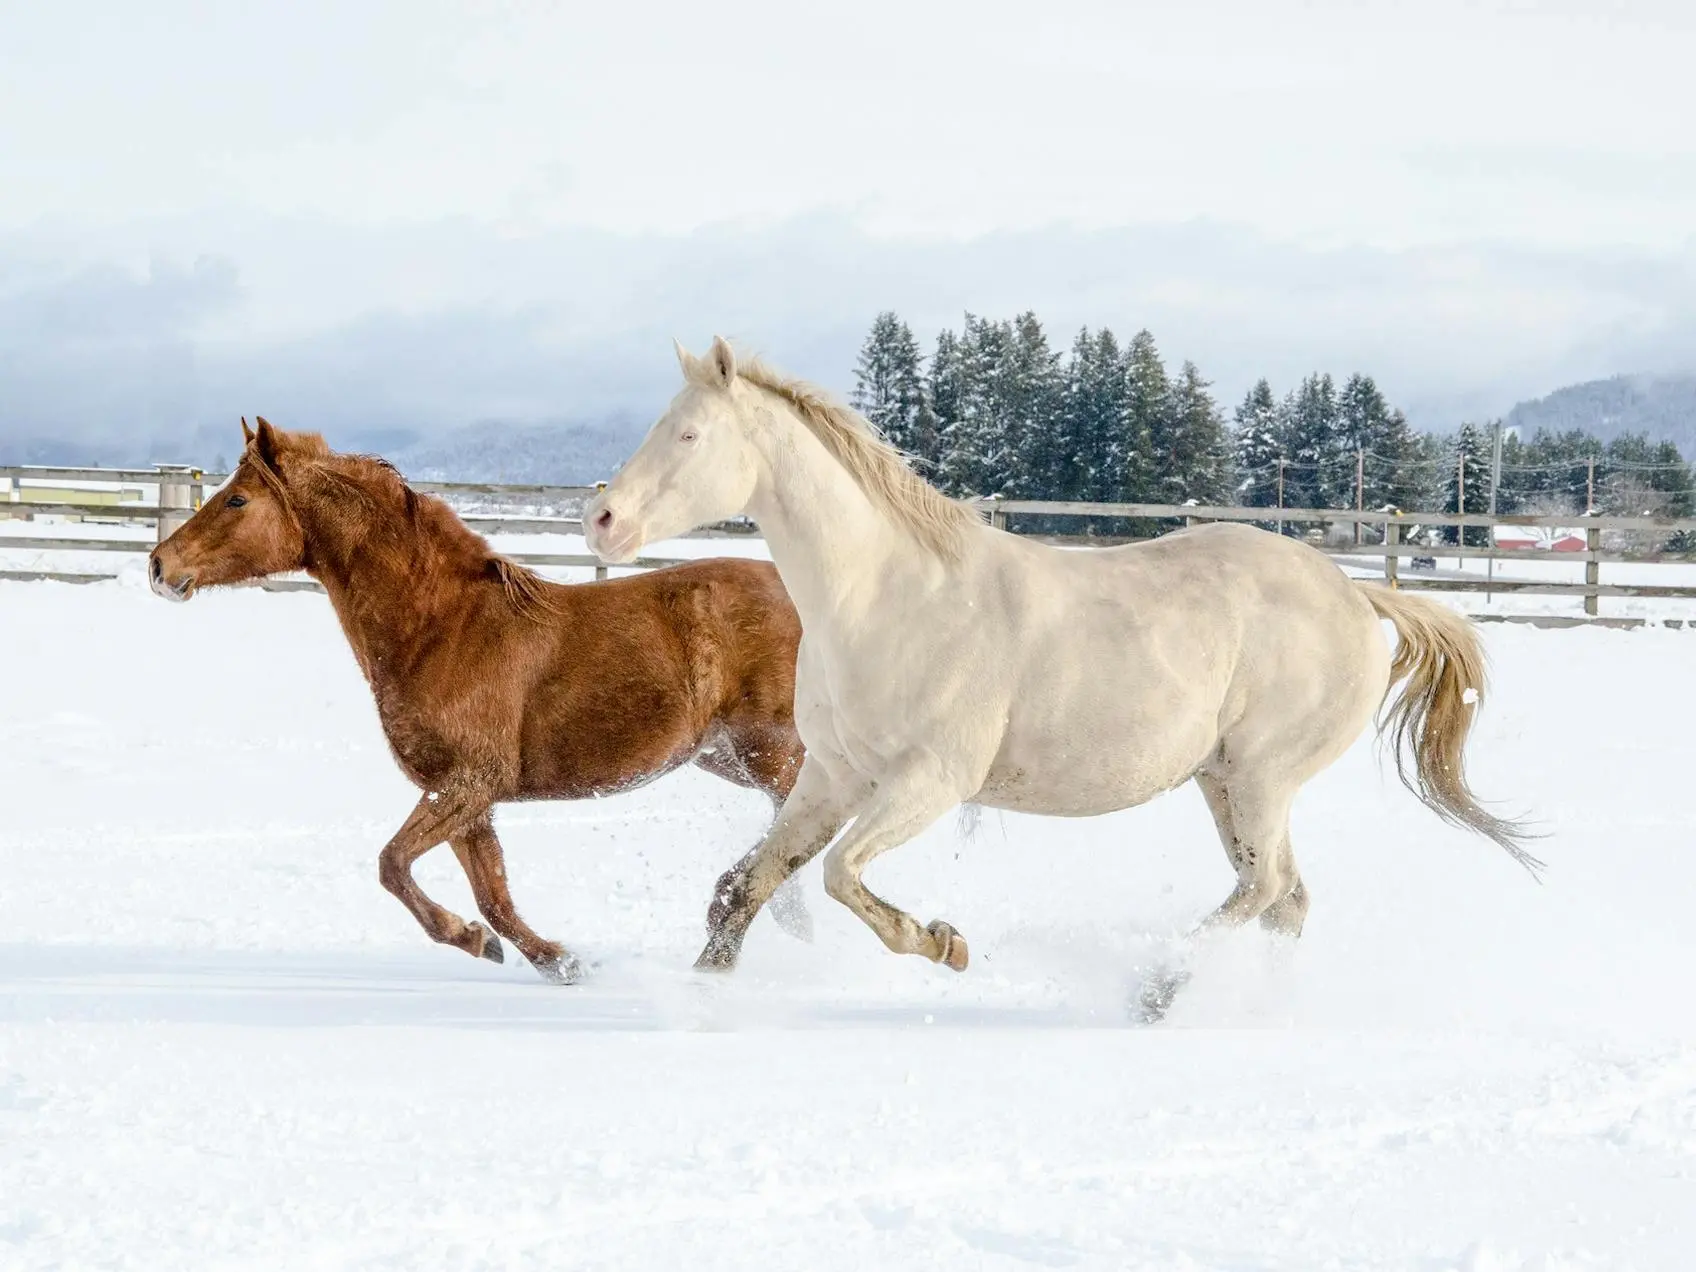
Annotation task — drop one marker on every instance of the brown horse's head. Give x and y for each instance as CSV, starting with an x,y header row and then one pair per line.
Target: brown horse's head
x,y
247,530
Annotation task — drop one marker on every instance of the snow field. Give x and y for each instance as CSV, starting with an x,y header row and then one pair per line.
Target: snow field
x,y
222,1045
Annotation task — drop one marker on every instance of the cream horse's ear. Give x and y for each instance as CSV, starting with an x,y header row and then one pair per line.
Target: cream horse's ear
x,y
246,432
689,362
721,363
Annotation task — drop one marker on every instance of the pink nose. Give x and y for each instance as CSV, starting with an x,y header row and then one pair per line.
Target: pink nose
x,y
604,521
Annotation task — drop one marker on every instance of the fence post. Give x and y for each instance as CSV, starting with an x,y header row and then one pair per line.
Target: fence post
x,y
179,496
1592,568
1392,537
600,572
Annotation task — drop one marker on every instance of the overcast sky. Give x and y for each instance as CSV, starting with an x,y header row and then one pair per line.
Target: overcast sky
x,y
438,212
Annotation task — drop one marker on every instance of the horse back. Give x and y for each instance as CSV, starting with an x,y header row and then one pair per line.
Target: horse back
x,y
644,668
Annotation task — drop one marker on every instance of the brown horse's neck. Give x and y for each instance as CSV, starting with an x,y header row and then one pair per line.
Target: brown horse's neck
x,y
395,564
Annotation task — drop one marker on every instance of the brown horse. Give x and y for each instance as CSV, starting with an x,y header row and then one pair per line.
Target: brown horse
x,y
494,684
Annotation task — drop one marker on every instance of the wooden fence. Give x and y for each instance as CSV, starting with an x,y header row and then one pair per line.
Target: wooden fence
x,y
1368,537
182,490
1395,544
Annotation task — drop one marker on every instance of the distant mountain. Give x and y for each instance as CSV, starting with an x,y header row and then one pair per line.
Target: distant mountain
x,y
556,454
563,454
1664,407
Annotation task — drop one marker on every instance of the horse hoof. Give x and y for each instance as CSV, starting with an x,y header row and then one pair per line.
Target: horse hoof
x,y
712,960
1157,994
491,944
951,946
562,970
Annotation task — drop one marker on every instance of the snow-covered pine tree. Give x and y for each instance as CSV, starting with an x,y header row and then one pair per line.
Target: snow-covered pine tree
x,y
1469,454
1317,475
1192,455
1148,398
1034,384
1096,404
944,391
1367,423
1073,425
888,389
979,447
1258,436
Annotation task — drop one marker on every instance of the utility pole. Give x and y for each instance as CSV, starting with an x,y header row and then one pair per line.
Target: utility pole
x,y
1280,492
1495,485
1460,491
1590,489
1359,489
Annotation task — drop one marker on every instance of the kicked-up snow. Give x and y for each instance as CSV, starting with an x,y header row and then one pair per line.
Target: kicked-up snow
x,y
223,1045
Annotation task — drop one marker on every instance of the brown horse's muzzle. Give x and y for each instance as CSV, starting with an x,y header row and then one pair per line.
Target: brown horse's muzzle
x,y
174,584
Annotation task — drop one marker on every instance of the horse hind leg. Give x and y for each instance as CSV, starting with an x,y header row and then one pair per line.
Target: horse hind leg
x,y
437,816
1288,913
808,820
764,760
1253,820
480,856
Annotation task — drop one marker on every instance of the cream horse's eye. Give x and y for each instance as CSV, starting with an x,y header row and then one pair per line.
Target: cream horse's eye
x,y
688,435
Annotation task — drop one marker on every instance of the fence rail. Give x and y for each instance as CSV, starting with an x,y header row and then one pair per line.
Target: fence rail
x,y
182,488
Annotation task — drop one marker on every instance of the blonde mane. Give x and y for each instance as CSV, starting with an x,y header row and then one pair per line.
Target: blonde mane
x,y
879,469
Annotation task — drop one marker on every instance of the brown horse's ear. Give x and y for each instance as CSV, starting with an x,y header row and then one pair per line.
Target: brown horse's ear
x,y
266,440
246,432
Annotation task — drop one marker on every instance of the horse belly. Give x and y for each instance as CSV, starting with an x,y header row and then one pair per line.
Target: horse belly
x,y
1105,748
1069,783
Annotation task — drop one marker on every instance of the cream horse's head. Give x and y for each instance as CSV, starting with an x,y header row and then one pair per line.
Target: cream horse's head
x,y
696,465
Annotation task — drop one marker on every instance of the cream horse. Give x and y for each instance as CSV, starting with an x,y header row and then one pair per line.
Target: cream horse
x,y
943,661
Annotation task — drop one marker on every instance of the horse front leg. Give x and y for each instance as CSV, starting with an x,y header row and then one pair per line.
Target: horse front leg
x,y
438,816
906,803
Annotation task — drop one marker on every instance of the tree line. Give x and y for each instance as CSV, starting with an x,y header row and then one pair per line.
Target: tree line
x,y
995,409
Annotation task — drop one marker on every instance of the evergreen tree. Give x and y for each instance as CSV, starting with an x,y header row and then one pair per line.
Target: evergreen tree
x,y
1095,410
1040,464
1641,477
887,386
1380,437
1191,455
1258,436
1317,474
980,446
1552,469
927,436
1148,399
944,392
1469,460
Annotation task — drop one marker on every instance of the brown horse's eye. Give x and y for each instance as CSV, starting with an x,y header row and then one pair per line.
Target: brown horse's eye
x,y
235,501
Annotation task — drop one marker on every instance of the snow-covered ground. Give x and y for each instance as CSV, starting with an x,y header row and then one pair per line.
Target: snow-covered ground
x,y
222,1045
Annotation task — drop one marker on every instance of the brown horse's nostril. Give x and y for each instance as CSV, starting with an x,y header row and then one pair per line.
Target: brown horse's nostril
x,y
158,570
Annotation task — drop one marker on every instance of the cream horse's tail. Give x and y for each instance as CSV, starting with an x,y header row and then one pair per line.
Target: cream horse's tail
x,y
1439,657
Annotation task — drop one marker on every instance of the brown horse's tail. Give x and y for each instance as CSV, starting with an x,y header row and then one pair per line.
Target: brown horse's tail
x,y
1439,657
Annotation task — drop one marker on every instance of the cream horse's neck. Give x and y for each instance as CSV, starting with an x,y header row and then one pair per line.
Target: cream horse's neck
x,y
830,544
